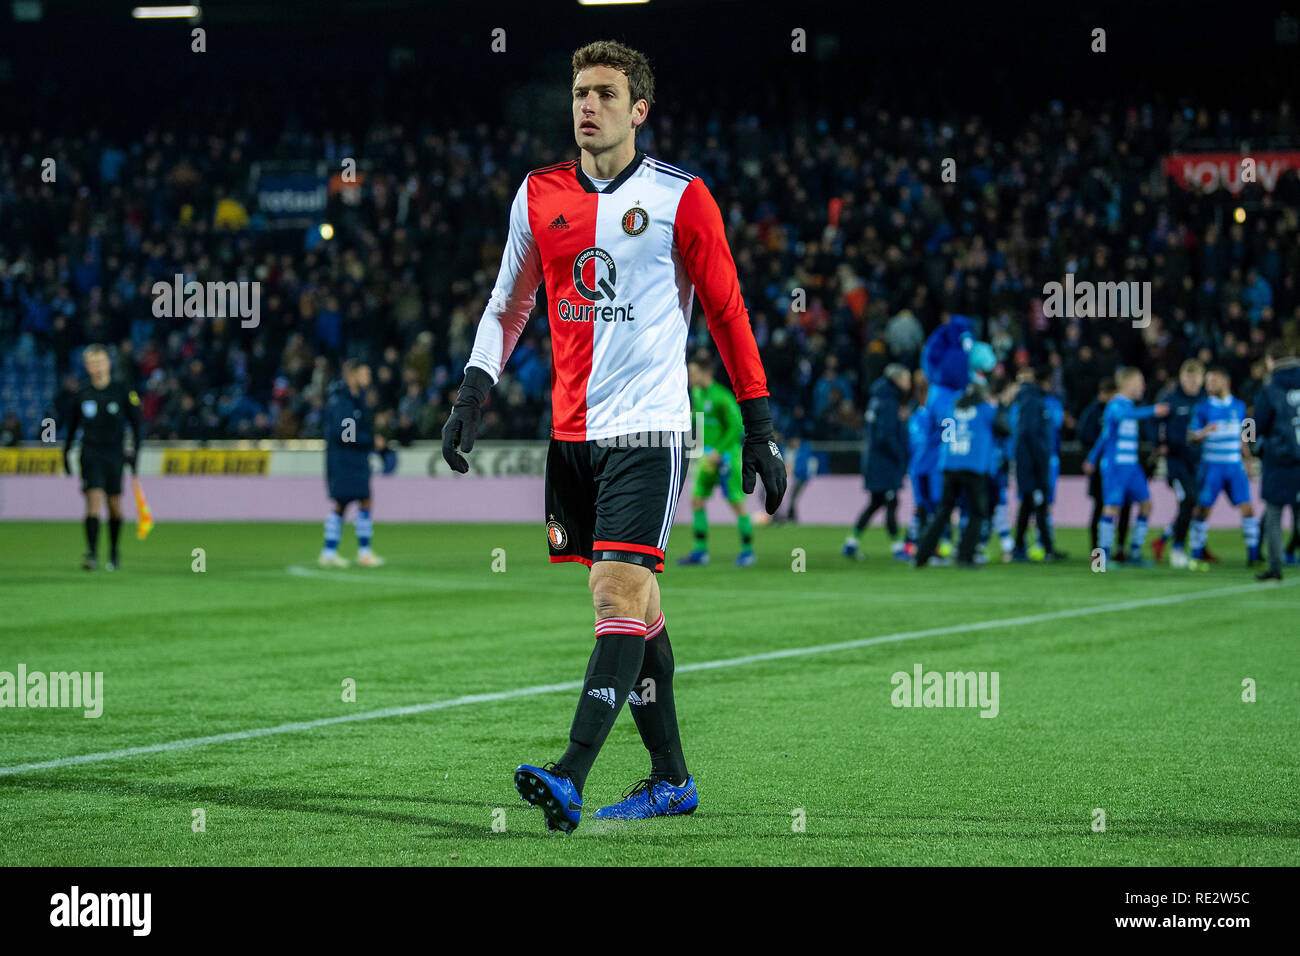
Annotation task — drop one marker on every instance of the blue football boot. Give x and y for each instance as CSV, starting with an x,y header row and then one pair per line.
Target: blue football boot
x,y
746,558
556,795
695,557
653,798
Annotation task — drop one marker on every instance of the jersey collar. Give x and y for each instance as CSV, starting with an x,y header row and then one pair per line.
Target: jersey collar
x,y
621,178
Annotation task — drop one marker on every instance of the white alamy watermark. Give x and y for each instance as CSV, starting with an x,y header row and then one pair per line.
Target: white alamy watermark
x,y
1098,300
82,690
951,689
692,441
75,908
212,300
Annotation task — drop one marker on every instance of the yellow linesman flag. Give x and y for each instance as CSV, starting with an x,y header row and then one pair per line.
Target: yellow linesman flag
x,y
144,521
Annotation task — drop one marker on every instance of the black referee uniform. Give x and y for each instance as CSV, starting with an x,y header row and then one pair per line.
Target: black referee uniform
x,y
103,415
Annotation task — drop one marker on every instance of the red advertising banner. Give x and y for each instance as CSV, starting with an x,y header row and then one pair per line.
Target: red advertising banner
x,y
1212,171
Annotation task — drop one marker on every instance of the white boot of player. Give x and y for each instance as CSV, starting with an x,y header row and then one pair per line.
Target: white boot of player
x,y
331,559
368,559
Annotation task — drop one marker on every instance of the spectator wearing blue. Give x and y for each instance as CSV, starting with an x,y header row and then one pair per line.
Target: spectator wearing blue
x,y
884,455
830,381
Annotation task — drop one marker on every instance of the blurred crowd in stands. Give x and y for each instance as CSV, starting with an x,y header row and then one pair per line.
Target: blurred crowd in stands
x,y
849,243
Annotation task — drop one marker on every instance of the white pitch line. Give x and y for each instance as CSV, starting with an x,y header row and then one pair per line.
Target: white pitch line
x,y
297,726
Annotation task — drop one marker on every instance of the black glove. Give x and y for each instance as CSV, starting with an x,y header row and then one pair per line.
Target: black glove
x,y
759,455
462,425
130,461
67,464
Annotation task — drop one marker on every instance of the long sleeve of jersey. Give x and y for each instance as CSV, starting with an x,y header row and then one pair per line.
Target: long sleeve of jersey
x,y
512,297
74,422
134,422
1109,425
706,256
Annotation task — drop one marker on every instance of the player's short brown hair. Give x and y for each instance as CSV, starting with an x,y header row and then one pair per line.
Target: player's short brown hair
x,y
1192,367
631,63
90,350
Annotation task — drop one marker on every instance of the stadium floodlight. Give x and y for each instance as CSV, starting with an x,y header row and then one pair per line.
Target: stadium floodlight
x,y
326,231
164,13
607,3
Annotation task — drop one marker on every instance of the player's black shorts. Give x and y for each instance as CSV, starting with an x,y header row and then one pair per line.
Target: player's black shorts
x,y
613,501
102,468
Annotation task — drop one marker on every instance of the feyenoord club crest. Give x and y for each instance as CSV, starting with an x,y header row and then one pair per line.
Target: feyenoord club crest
x,y
556,534
635,221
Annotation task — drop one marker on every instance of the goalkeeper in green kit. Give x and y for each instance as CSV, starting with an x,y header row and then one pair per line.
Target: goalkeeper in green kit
x,y
721,433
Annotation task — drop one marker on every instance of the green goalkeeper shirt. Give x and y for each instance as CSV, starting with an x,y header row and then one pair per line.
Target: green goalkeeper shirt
x,y
722,429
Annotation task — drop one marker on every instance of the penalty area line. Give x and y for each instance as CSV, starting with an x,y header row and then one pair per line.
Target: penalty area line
x,y
190,743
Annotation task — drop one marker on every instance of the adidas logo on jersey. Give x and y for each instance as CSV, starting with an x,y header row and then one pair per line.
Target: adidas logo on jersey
x,y
558,223
604,693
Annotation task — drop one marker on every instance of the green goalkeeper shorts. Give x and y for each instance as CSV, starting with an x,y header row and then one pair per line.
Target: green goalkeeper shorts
x,y
727,474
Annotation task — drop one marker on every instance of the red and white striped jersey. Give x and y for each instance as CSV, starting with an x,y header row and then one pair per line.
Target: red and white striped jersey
x,y
622,266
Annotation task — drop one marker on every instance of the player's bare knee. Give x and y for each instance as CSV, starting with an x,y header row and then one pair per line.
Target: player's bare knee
x,y
653,606
619,589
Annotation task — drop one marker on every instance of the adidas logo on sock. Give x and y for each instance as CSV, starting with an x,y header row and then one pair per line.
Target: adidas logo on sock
x,y
558,223
604,693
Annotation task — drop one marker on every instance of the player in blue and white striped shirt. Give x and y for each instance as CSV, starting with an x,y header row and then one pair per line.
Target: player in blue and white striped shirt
x,y
1217,422
1116,452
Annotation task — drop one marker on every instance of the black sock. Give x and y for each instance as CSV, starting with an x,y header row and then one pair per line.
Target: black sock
x,y
114,528
656,714
92,534
1044,528
611,672
1022,525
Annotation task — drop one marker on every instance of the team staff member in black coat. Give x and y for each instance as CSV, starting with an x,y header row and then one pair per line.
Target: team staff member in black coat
x,y
349,441
884,454
1034,442
103,411
1182,458
1277,423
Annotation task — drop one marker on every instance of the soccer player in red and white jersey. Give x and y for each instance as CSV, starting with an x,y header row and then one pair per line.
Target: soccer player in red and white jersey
x,y
623,243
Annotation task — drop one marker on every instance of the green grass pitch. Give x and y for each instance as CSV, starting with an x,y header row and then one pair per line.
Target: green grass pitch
x,y
800,758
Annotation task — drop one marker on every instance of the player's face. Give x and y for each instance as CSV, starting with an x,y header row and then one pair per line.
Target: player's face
x,y
1135,386
604,116
362,376
1192,382
698,377
1216,384
97,366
